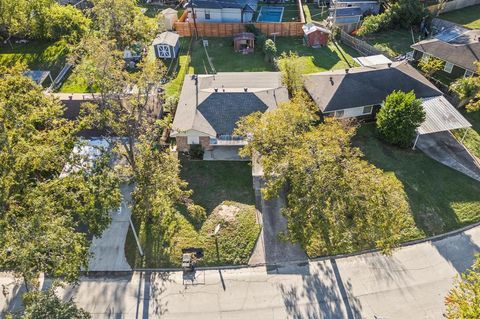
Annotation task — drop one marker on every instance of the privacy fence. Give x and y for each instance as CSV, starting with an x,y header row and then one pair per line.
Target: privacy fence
x,y
360,45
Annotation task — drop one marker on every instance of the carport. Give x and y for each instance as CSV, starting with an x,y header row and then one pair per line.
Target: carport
x,y
440,116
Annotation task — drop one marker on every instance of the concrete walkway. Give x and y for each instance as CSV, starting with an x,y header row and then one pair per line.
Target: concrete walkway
x,y
108,251
444,148
412,283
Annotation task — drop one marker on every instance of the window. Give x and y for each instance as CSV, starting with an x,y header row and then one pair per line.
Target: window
x,y
207,14
367,109
468,73
448,67
339,113
193,140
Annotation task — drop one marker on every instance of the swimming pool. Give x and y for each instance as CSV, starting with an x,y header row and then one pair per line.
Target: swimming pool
x,y
270,14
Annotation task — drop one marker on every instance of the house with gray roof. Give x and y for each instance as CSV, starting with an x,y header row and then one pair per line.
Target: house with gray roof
x,y
221,10
458,48
359,92
210,106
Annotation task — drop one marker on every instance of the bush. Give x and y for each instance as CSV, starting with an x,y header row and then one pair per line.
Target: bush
x,y
270,50
196,151
399,118
292,69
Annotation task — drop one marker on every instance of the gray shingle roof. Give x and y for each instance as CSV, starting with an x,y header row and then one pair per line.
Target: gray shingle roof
x,y
338,90
216,113
167,37
462,51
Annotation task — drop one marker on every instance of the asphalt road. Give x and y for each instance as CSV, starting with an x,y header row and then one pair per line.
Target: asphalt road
x,y
412,283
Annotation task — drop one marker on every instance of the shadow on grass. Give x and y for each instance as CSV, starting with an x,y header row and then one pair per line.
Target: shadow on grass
x,y
441,198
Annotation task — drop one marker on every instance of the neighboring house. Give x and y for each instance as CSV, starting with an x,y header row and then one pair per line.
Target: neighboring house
x,y
210,106
166,45
221,10
360,92
459,49
367,6
347,18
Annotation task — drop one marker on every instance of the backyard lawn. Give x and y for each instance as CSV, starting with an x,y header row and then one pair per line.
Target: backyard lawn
x,y
394,42
225,190
224,59
314,13
45,56
441,198
469,16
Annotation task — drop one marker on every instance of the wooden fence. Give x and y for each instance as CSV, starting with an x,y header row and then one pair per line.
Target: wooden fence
x,y
361,46
287,29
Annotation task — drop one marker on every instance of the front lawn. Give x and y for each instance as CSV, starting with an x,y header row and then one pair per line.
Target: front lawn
x,y
441,198
36,55
225,190
469,16
395,42
224,59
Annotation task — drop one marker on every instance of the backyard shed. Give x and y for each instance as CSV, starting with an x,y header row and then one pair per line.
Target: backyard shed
x,y
315,36
166,45
169,16
244,42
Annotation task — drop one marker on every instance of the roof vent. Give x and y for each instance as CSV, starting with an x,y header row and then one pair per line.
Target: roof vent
x,y
331,81
346,70
389,64
223,90
245,89
216,89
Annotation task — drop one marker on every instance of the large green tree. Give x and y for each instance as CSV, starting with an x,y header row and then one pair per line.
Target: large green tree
x,y
401,114
42,209
468,90
337,202
463,301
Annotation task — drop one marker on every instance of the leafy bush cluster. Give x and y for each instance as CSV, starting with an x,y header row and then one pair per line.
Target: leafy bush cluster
x,y
401,14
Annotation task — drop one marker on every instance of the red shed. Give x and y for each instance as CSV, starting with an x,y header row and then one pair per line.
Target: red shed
x,y
315,36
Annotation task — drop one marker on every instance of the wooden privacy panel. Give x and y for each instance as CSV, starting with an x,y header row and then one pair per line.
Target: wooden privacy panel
x,y
286,29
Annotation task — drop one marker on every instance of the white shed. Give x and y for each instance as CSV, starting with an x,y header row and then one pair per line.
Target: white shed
x,y
169,16
166,45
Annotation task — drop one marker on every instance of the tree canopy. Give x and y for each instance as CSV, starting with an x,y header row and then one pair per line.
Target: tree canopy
x,y
468,90
399,118
337,202
41,209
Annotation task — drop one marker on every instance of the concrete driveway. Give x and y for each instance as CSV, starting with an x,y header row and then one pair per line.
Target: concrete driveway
x,y
108,251
444,148
412,283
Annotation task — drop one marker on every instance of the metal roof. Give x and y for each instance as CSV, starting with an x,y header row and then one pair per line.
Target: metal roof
x,y
440,116
38,76
372,60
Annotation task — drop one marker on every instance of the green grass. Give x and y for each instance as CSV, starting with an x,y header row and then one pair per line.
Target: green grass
x,y
213,183
441,198
36,55
472,139
396,42
290,11
314,13
469,16
224,59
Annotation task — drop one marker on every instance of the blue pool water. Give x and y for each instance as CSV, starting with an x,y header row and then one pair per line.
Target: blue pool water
x,y
270,14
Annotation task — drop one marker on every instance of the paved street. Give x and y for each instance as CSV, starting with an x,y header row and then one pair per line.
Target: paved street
x,y
410,284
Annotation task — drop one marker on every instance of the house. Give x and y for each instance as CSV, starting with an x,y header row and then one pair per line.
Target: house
x,y
315,36
166,45
367,6
347,18
210,106
459,48
221,10
359,92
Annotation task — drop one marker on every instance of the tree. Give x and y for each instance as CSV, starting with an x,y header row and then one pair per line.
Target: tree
x,y
463,301
337,202
430,65
46,305
292,69
468,90
123,21
270,50
399,118
41,208
67,22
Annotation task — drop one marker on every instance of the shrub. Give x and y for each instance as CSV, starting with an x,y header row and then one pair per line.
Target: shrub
x,y
399,117
270,50
196,151
430,66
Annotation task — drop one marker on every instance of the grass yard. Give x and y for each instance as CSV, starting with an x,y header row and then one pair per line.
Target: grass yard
x,y
224,59
441,198
469,16
472,139
314,13
225,190
46,56
395,42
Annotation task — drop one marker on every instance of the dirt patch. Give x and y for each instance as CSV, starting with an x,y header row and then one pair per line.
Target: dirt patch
x,y
227,212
